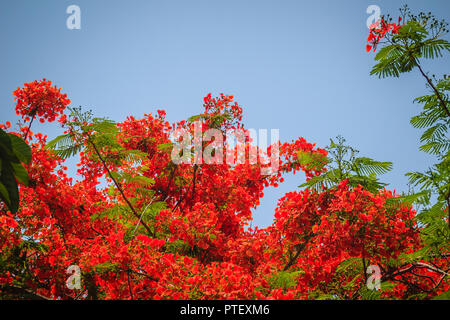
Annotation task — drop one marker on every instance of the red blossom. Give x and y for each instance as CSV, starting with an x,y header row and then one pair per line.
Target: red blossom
x,y
202,246
379,30
40,98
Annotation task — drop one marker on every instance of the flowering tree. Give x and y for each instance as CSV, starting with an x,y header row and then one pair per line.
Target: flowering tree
x,y
137,225
421,37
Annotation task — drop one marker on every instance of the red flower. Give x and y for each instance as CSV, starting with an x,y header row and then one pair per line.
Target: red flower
x,y
379,30
201,246
40,98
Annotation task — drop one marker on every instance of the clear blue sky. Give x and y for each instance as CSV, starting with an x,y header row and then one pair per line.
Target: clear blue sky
x,y
299,66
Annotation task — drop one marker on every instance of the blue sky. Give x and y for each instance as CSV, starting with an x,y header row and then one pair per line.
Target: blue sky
x,y
297,66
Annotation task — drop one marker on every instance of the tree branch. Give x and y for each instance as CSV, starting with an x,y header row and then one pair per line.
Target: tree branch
x,y
119,187
438,94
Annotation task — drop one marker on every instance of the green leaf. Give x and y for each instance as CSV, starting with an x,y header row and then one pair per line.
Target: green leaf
x,y
142,181
316,183
64,146
367,294
20,172
58,141
285,279
13,150
327,297
165,147
443,296
5,141
432,48
9,182
198,118
367,166
354,265
4,193
407,199
105,267
104,126
20,148
312,161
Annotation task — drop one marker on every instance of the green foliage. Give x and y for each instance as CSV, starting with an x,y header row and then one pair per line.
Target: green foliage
x,y
353,270
392,60
352,265
141,184
13,152
344,164
215,120
437,177
326,297
434,120
435,233
105,268
419,37
91,135
312,161
434,182
180,247
15,260
98,139
64,146
284,279
116,212
199,117
408,199
151,210
367,294
123,215
443,296
165,147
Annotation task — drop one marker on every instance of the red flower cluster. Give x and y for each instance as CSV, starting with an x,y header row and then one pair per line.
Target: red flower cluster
x,y
42,99
339,224
379,30
200,245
